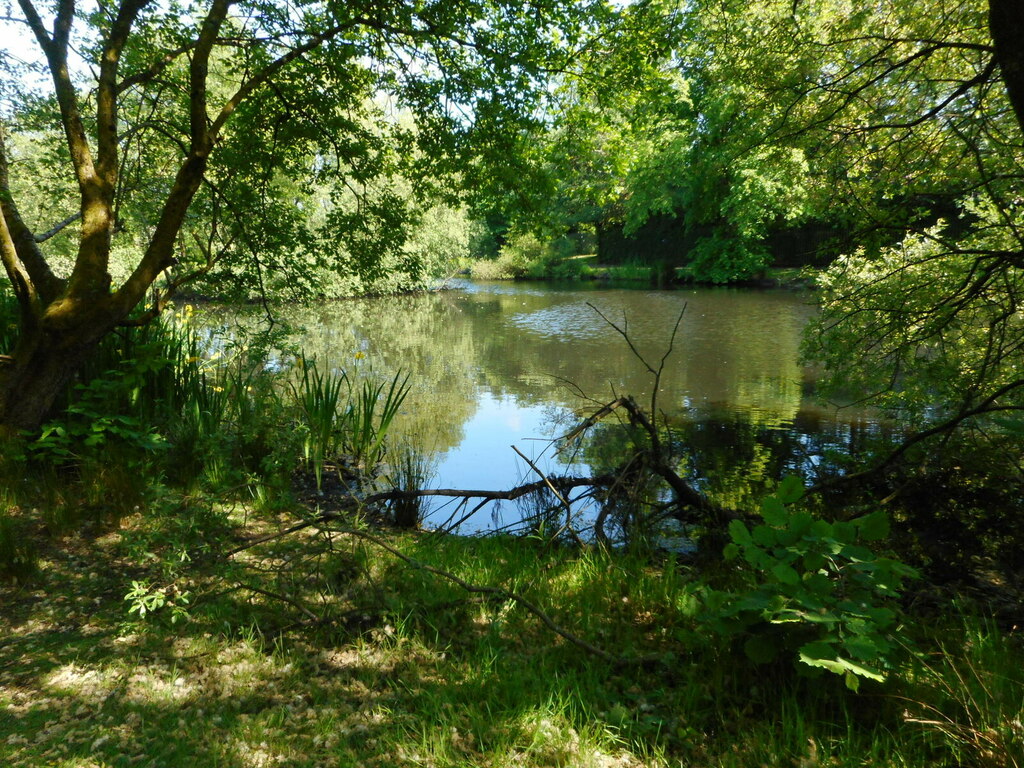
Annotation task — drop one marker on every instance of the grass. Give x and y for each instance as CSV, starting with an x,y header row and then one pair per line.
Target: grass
x,y
319,397
403,668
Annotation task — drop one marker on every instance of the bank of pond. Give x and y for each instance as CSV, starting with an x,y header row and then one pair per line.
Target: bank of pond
x,y
246,537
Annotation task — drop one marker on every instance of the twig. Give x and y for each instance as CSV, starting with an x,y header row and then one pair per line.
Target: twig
x,y
283,598
508,595
593,419
685,494
624,333
559,496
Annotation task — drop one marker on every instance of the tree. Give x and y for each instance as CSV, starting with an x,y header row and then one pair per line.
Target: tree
x,y
190,112
926,323
883,118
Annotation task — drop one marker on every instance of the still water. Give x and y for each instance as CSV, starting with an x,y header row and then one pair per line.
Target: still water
x,y
502,364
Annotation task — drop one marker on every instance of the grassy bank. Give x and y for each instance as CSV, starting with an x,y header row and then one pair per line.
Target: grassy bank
x,y
142,641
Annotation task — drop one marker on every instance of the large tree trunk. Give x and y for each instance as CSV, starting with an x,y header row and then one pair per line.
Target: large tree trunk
x,y
1006,24
34,378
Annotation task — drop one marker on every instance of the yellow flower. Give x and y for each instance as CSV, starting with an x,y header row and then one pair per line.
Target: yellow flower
x,y
360,355
218,389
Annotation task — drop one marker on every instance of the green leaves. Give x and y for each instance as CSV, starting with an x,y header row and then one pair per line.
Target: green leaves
x,y
811,578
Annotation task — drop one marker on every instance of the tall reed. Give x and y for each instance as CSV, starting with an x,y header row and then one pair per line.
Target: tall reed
x,y
318,396
369,418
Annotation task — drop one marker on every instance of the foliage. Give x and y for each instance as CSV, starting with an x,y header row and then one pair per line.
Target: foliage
x,y
88,423
930,323
276,153
526,255
212,411
817,590
758,125
318,396
371,410
146,600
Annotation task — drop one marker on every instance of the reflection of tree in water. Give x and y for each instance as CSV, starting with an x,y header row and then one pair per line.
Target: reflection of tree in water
x,y
420,335
735,349
736,461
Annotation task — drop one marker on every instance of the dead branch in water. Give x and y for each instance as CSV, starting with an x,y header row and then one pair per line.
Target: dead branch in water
x,y
685,494
562,484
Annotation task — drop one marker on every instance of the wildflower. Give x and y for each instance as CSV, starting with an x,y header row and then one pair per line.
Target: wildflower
x,y
360,355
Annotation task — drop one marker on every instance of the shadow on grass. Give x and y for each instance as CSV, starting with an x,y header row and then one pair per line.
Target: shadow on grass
x,y
413,672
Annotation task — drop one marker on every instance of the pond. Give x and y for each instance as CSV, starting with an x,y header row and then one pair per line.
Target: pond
x,y
516,364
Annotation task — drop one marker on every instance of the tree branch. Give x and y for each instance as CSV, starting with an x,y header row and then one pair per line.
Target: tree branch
x,y
985,406
24,254
57,228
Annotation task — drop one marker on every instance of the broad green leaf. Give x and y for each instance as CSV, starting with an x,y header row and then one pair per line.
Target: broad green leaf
x,y
786,574
790,490
861,670
861,647
764,536
873,527
814,561
852,682
739,533
774,511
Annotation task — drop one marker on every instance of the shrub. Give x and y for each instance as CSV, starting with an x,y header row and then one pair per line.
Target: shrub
x,y
815,589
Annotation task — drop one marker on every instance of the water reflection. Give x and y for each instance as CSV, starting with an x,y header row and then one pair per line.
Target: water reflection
x,y
499,364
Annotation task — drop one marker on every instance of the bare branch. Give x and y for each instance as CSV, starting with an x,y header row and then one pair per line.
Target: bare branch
x,y
57,228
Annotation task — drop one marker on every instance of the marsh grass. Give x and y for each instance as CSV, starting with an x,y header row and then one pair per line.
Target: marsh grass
x,y
409,470
319,396
372,409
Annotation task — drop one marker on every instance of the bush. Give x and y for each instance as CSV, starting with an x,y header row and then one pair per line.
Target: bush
x,y
526,256
813,588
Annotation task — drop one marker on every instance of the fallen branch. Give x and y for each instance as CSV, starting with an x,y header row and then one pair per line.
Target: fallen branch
x,y
507,595
563,484
684,493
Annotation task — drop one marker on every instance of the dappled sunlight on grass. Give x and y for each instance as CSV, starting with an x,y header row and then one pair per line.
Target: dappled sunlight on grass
x,y
409,670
